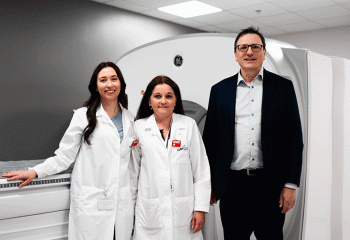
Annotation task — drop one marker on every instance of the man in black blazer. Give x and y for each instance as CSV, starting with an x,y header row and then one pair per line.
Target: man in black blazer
x,y
254,144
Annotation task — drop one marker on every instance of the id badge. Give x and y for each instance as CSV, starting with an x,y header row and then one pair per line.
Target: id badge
x,y
176,143
106,203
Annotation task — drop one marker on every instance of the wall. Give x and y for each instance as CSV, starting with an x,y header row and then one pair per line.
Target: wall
x,y
49,50
329,42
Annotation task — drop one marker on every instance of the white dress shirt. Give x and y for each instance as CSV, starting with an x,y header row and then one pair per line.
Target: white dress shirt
x,y
247,148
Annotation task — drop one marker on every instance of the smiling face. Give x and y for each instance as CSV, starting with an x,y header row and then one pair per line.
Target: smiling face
x,y
108,84
162,100
250,62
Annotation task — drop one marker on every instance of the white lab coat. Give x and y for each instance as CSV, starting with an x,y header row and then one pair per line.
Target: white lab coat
x,y
174,181
101,171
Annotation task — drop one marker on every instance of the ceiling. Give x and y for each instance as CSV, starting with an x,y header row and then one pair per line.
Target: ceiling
x,y
273,17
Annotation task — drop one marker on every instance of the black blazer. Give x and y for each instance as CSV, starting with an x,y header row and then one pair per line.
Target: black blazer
x,y
281,134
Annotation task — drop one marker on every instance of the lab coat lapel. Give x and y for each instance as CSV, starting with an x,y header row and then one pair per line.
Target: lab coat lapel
x,y
152,128
127,121
177,127
103,116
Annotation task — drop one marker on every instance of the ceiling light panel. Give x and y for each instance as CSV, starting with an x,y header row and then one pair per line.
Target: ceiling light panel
x,y
190,9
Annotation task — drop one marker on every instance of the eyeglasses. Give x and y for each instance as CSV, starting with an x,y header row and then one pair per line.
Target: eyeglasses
x,y
245,47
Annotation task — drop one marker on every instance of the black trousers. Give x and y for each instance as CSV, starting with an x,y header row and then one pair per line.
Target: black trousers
x,y
251,204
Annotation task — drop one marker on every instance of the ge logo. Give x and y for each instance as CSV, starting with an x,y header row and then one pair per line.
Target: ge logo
x,y
178,60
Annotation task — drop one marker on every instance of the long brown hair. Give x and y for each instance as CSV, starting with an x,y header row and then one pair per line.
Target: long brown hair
x,y
94,100
144,109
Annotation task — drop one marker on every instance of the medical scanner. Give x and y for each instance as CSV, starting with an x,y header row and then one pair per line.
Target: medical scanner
x,y
196,62
37,211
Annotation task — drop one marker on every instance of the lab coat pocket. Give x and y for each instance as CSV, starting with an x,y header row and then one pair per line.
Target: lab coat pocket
x,y
183,210
88,220
148,213
181,153
87,196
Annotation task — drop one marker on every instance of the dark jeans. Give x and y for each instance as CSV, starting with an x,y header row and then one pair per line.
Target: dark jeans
x,y
251,204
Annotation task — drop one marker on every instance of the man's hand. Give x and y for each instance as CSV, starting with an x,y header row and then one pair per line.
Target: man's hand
x,y
213,198
198,221
287,199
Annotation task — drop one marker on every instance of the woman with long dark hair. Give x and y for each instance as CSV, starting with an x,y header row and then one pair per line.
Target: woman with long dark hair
x,y
98,140
173,189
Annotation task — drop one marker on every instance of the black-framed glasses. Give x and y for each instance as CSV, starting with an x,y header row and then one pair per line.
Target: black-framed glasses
x,y
245,47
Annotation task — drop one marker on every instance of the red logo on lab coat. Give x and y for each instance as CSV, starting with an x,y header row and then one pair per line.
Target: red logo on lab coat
x,y
176,143
135,142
